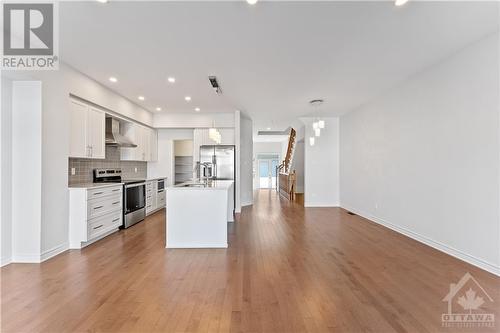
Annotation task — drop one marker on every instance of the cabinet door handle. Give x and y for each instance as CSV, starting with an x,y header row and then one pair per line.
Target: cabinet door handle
x,y
97,193
98,207
116,190
115,203
117,219
99,226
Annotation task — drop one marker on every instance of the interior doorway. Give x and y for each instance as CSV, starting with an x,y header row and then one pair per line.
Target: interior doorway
x,y
267,174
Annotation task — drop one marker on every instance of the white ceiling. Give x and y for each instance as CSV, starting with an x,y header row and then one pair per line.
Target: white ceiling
x,y
271,58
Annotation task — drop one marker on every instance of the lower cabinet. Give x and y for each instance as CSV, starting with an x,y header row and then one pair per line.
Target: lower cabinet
x,y
93,214
155,198
151,191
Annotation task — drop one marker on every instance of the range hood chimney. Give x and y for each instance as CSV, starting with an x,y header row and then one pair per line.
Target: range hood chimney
x,y
113,136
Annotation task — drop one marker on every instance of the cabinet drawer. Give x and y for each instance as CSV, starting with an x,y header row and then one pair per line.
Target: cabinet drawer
x,y
161,200
98,207
103,192
103,224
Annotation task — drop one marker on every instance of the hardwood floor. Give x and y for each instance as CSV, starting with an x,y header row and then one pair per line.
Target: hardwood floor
x,y
287,269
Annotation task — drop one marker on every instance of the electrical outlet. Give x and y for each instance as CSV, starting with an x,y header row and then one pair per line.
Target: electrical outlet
x,y
376,206
135,170
73,171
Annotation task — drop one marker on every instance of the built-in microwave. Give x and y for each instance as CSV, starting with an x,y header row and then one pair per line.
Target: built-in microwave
x,y
161,185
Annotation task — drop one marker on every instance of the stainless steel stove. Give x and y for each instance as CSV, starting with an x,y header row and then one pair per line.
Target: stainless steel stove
x,y
134,194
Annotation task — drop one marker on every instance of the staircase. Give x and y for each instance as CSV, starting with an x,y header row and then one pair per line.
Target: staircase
x,y
287,179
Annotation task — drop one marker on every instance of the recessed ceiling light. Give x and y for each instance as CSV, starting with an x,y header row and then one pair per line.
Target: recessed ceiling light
x,y
400,2
187,98
158,109
171,79
252,2
197,109
102,1
269,128
141,98
113,79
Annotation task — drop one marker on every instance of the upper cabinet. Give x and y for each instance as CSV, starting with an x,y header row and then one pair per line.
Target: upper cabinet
x,y
87,131
146,140
201,138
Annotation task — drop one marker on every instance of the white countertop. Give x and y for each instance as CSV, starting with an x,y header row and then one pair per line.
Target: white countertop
x,y
155,178
93,185
213,185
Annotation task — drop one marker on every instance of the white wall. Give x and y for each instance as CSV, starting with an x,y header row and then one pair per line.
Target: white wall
x,y
246,165
6,172
424,158
164,166
267,148
194,120
183,148
321,167
26,170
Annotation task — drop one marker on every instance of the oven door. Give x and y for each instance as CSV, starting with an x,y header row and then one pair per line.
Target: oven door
x,y
135,197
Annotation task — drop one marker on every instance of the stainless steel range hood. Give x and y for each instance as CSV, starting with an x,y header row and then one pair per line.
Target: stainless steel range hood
x,y
113,136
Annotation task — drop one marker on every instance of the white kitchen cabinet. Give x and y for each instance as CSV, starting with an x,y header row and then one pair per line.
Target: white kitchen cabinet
x,y
201,138
93,213
97,132
153,145
146,140
155,196
87,131
151,195
78,146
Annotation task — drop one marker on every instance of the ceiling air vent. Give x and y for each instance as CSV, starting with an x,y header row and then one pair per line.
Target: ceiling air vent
x,y
286,132
215,85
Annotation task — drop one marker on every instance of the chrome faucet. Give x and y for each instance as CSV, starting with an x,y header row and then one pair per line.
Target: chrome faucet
x,y
201,175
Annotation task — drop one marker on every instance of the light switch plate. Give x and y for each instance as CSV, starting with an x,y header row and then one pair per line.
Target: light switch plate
x,y
135,170
73,171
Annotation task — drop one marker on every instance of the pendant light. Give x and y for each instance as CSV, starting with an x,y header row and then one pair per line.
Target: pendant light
x,y
318,124
214,134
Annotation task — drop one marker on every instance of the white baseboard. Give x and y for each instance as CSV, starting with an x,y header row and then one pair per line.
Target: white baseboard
x,y
54,251
247,203
38,258
487,266
26,258
5,261
81,245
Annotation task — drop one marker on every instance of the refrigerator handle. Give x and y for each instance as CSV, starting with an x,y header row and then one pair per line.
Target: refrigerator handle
x,y
214,163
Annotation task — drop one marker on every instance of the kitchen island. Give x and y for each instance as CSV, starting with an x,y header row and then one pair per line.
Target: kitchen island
x,y
198,213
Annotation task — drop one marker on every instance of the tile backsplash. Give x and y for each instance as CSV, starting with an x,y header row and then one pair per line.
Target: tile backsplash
x,y
84,167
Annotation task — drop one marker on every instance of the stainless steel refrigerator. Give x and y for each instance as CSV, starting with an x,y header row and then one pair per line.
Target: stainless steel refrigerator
x,y
222,160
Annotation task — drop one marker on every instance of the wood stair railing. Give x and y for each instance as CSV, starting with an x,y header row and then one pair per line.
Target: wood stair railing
x,y
287,179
